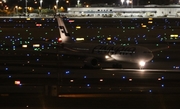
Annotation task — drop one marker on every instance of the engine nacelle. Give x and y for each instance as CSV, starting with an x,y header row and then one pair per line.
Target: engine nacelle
x,y
91,62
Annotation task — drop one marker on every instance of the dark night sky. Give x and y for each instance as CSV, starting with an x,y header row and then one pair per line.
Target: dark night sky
x,y
47,3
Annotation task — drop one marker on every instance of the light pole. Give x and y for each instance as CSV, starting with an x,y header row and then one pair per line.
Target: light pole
x,y
16,10
55,9
131,6
40,8
122,2
57,1
68,2
41,1
127,1
78,1
26,6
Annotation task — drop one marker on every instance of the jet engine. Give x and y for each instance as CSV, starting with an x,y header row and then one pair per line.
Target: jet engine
x,y
91,62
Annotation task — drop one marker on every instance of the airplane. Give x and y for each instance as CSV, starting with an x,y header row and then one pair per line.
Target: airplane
x,y
94,53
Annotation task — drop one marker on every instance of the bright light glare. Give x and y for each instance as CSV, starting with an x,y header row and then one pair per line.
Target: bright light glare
x,y
107,57
142,63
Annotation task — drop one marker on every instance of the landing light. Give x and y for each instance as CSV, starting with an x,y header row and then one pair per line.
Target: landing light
x,y
107,57
142,63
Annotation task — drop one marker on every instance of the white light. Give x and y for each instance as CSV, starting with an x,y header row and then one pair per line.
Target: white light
x,y
159,79
142,63
36,45
24,46
130,79
122,1
101,80
107,57
127,1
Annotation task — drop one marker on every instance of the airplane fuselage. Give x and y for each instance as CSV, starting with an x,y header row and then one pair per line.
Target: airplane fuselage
x,y
115,52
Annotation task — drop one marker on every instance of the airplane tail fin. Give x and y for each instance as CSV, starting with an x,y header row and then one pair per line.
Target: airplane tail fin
x,y
64,35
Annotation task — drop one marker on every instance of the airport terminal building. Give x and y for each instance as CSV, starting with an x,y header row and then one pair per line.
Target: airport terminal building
x,y
129,11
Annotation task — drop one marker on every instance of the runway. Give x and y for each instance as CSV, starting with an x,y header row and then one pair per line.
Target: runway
x,y
35,79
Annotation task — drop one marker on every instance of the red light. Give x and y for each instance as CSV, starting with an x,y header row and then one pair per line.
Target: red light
x,y
60,40
71,21
38,24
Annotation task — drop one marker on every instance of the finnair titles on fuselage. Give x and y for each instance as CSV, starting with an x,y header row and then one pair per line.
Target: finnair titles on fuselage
x,y
135,54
